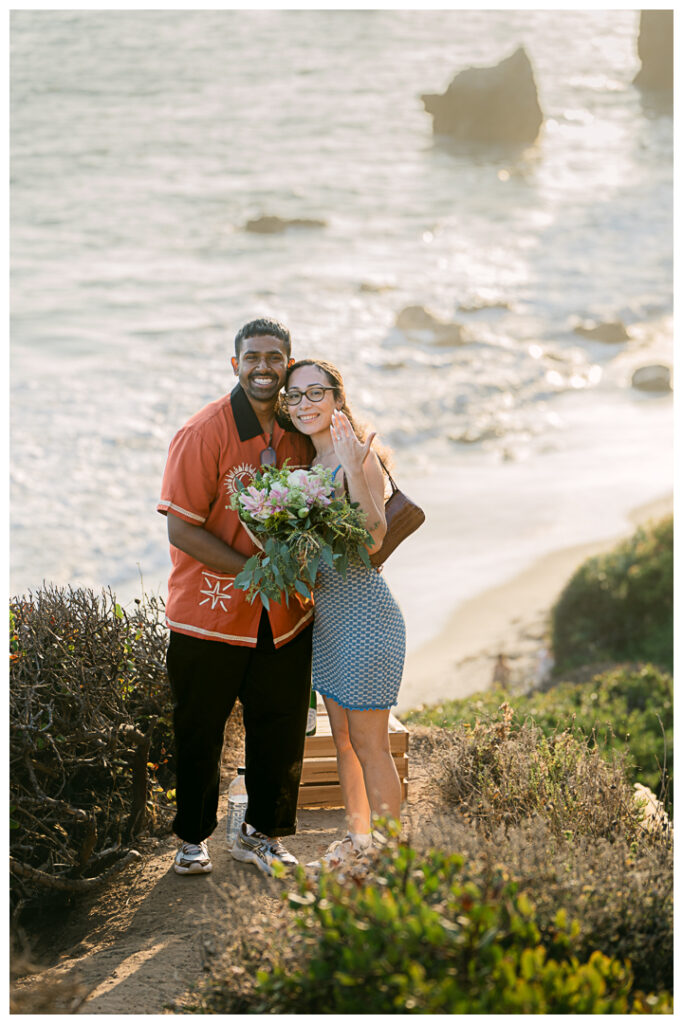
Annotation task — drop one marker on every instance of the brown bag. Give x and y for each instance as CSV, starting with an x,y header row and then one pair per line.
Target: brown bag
x,y
403,517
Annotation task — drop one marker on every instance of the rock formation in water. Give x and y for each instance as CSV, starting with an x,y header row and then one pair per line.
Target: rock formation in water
x,y
611,332
372,287
478,306
417,318
652,378
269,225
656,51
490,105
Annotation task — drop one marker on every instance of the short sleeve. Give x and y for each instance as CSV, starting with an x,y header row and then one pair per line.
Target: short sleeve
x,y
190,481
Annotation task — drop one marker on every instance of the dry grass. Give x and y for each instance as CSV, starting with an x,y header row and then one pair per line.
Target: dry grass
x,y
51,995
500,772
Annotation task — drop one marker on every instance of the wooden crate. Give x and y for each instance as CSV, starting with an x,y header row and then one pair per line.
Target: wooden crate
x,y
319,780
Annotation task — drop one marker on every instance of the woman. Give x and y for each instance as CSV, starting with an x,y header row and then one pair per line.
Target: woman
x,y
358,632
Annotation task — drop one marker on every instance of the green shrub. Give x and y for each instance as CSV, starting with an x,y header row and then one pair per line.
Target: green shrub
x,y
619,606
422,934
628,709
90,740
619,892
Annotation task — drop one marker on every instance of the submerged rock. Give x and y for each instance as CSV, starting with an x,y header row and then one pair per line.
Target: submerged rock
x,y
612,332
656,51
270,225
652,378
371,286
493,105
417,318
477,307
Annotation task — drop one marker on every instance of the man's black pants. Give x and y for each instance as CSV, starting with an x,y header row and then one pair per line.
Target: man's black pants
x,y
273,686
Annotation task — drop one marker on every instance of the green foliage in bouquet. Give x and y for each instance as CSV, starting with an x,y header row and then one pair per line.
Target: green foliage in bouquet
x,y
298,522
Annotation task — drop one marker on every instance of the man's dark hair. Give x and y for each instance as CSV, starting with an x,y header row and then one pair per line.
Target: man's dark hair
x,y
259,328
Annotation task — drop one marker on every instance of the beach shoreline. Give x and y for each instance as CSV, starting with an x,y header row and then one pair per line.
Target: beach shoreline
x,y
508,620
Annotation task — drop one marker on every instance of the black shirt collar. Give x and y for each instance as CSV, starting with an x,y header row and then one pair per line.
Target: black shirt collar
x,y
246,419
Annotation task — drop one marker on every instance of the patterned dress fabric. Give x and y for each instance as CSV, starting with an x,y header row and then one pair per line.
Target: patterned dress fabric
x,y
359,638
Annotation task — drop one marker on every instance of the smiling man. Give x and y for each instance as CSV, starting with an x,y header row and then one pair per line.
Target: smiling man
x,y
222,647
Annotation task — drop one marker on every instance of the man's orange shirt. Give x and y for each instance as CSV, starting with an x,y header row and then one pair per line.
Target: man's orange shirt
x,y
219,445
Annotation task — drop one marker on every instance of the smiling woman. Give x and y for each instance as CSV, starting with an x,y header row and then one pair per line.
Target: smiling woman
x,y
358,631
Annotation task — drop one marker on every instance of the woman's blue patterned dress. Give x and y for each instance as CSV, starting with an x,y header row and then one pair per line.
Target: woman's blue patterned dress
x,y
359,638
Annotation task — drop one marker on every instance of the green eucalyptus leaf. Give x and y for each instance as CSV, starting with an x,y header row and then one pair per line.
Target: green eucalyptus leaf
x,y
312,568
277,575
327,555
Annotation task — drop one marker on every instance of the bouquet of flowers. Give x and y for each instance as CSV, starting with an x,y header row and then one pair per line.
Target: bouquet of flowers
x,y
293,516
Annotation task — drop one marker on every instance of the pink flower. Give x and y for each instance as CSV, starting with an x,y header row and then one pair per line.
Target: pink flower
x,y
252,500
314,489
316,492
278,496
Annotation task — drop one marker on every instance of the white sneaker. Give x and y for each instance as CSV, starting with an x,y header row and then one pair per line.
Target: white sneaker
x,y
255,848
336,854
192,859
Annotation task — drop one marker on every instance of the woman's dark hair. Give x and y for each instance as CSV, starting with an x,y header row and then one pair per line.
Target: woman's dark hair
x,y
336,381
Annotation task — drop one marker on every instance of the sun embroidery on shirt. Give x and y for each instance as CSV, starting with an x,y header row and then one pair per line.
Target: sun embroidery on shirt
x,y
212,591
244,473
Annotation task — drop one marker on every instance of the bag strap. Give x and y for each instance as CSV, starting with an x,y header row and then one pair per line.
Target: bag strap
x,y
394,488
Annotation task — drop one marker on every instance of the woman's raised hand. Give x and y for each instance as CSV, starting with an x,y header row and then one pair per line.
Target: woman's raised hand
x,y
351,452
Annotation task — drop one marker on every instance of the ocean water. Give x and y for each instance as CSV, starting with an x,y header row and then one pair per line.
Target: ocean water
x,y
142,142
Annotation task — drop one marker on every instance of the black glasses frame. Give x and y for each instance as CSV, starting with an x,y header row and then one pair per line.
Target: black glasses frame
x,y
311,387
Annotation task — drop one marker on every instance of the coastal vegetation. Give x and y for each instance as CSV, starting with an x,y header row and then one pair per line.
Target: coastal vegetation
x,y
431,932
612,641
625,710
90,740
532,876
619,606
536,878
542,896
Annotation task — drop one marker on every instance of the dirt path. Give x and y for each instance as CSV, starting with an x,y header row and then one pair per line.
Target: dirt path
x,y
143,944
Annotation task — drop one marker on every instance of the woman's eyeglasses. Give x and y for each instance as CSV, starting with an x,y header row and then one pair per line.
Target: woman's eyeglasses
x,y
315,393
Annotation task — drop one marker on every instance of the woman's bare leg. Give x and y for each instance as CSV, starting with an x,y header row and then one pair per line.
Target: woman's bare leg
x,y
350,771
369,735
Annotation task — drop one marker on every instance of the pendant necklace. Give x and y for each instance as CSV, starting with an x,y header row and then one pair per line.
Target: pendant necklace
x,y
269,455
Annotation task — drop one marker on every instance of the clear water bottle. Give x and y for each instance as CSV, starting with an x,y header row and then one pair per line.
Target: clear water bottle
x,y
237,805
312,722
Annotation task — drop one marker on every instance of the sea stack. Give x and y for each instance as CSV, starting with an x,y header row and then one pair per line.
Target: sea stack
x,y
416,319
272,225
656,52
652,378
497,105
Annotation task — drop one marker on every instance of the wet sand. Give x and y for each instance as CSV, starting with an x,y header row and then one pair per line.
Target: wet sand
x,y
509,620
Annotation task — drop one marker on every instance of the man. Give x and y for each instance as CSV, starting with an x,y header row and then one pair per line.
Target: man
x,y
221,647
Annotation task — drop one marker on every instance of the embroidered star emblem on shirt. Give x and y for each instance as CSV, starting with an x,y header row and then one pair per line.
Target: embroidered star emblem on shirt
x,y
213,592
